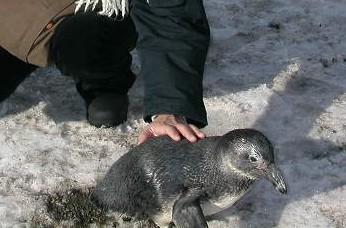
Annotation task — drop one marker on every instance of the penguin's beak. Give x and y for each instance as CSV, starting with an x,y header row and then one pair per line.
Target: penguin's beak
x,y
274,175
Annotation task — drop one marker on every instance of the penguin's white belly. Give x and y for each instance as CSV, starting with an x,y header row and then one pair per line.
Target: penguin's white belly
x,y
163,218
209,207
213,206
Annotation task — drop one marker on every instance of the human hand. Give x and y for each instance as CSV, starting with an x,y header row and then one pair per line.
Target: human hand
x,y
174,126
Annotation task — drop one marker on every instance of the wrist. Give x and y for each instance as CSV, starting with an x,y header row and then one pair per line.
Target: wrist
x,y
163,117
153,117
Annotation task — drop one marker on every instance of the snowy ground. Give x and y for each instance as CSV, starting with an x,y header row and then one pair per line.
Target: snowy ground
x,y
274,65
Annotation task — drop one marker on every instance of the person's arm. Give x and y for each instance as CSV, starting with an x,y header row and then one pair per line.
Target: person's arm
x,y
173,43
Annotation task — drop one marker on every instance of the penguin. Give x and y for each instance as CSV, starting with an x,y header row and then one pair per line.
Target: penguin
x,y
182,183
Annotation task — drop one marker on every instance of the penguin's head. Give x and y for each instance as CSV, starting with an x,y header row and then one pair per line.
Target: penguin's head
x,y
248,152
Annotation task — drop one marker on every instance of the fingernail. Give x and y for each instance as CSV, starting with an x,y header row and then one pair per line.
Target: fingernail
x,y
202,136
177,138
193,139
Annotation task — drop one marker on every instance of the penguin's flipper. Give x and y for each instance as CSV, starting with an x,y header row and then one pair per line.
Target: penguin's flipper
x,y
187,212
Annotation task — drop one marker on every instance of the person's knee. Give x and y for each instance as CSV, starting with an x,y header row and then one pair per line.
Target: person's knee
x,y
86,42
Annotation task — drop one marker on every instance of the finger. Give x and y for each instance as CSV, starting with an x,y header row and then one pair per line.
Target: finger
x,y
197,131
165,129
168,130
157,130
187,132
144,135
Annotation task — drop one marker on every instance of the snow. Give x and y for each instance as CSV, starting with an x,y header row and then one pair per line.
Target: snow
x,y
274,65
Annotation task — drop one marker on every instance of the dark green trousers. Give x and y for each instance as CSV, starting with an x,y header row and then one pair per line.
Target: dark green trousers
x,y
173,42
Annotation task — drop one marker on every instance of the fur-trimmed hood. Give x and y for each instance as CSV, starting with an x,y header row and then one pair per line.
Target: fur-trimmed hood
x,y
109,7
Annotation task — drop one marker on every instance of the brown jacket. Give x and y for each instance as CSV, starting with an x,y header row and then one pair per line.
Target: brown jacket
x,y
26,27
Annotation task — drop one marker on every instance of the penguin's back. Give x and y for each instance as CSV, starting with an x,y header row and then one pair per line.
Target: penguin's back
x,y
172,165
126,189
150,177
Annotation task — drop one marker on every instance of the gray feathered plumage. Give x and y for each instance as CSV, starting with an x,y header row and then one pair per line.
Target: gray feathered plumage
x,y
165,181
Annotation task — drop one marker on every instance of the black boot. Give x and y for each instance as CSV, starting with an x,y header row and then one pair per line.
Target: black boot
x,y
106,100
108,110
